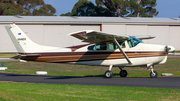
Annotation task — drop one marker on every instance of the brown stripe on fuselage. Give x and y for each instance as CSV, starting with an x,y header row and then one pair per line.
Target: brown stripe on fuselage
x,y
89,56
88,53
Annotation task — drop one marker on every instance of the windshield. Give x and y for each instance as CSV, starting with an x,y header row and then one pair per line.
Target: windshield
x,y
132,41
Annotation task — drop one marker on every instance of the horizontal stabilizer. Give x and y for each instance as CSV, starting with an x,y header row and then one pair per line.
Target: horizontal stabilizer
x,y
16,57
24,56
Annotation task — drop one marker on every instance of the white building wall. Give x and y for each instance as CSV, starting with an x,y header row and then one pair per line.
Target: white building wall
x,y
6,44
56,35
174,36
161,33
118,29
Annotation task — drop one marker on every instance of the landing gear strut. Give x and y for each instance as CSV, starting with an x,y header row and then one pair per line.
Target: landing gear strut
x,y
153,73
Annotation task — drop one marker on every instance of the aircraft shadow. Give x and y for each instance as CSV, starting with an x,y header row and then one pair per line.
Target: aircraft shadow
x,y
71,77
64,77
8,74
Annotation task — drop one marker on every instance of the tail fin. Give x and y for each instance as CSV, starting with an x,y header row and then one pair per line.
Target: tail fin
x,y
16,35
23,44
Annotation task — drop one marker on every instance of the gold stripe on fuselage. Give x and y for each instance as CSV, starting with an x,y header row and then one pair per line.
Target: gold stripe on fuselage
x,y
114,55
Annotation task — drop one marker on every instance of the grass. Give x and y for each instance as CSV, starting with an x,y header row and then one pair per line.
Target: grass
x,y
11,91
177,51
171,66
7,55
53,92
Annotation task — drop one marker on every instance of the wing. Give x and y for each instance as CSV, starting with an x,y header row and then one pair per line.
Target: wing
x,y
145,37
92,36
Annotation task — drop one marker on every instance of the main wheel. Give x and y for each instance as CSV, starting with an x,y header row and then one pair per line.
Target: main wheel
x,y
154,75
108,74
123,73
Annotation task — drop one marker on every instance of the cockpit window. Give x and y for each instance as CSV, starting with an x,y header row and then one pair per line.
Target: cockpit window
x,y
98,47
132,41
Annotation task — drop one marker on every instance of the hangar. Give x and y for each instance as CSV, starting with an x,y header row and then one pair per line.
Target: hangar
x,y
53,30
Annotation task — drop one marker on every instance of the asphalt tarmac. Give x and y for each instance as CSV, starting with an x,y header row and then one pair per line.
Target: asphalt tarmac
x,y
160,82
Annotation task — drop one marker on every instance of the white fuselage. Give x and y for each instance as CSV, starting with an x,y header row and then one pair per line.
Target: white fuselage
x,y
140,54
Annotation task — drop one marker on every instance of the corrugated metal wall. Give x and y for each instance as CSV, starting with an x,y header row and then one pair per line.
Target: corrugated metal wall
x,y
56,35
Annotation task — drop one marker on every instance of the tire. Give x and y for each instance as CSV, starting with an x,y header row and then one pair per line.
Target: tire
x,y
154,75
123,73
108,74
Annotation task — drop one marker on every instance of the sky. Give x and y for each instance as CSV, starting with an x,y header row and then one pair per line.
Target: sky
x,y
166,8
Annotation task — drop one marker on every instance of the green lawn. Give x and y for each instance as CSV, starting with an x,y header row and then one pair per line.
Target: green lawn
x,y
53,92
42,92
171,66
7,55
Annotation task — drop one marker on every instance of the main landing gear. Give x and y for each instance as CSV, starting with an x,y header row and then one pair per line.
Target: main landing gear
x,y
109,74
153,73
123,73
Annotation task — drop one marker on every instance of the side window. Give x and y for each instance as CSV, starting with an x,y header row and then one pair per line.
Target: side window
x,y
98,47
101,46
92,47
113,46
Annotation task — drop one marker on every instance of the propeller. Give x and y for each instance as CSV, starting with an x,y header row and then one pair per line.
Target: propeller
x,y
169,49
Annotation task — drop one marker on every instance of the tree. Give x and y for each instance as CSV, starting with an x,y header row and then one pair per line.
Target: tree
x,y
83,8
134,8
46,10
66,14
130,8
148,8
25,7
120,8
116,7
87,8
8,7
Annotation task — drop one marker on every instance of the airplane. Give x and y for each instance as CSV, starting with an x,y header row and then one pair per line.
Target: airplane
x,y
103,49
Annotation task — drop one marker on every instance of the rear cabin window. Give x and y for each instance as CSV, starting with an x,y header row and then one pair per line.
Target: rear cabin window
x,y
98,47
132,41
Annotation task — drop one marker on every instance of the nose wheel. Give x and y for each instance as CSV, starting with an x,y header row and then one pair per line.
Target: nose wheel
x,y
153,73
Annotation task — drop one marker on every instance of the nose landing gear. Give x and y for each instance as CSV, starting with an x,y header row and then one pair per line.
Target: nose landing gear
x,y
153,73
